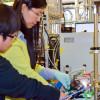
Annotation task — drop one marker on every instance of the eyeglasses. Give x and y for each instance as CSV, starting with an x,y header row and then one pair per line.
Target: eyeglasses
x,y
13,37
36,13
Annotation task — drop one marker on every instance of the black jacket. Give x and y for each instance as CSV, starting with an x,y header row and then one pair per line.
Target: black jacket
x,y
16,85
2,97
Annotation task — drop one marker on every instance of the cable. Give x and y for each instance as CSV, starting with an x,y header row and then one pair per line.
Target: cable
x,y
78,80
76,76
75,71
69,98
51,61
46,32
48,52
55,51
76,92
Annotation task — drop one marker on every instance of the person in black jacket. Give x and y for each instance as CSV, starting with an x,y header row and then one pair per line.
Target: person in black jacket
x,y
12,83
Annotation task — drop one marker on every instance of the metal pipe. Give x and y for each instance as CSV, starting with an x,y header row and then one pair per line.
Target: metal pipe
x,y
59,7
95,44
90,11
77,17
98,9
85,7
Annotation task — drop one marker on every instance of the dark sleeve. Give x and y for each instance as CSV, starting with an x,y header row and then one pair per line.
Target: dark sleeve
x,y
16,85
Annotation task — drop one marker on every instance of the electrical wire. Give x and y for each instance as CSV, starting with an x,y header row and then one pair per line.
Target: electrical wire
x,y
52,62
76,76
55,51
76,92
69,98
78,80
48,52
75,71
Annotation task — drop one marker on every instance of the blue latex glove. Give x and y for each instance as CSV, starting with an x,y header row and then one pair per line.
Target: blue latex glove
x,y
63,78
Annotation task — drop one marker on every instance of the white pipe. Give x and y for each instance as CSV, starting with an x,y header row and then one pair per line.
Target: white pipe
x,y
86,10
77,17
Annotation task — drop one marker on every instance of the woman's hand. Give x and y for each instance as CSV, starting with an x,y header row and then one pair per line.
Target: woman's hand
x,y
63,78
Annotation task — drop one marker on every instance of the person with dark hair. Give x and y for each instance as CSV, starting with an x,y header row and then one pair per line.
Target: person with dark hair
x,y
30,12
12,83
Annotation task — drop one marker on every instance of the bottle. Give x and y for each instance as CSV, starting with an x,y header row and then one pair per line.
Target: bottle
x,y
67,69
84,69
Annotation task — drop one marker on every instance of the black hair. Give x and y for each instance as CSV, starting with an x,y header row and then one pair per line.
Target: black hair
x,y
9,21
31,35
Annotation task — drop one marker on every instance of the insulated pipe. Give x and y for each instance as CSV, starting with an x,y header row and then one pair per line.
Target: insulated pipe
x,y
86,10
59,7
85,6
77,17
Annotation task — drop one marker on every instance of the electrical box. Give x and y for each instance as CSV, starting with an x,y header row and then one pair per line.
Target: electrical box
x,y
75,51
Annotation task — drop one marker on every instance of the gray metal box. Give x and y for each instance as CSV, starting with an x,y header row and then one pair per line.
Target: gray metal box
x,y
76,48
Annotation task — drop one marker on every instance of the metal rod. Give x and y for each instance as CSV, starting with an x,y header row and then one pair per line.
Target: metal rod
x,y
95,44
90,11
